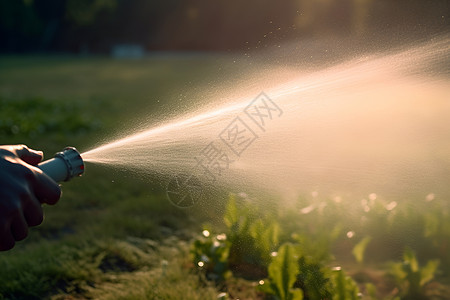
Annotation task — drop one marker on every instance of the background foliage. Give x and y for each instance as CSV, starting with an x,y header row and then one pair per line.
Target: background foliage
x,y
95,26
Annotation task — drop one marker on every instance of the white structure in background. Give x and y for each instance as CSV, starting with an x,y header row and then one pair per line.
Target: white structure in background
x,y
127,51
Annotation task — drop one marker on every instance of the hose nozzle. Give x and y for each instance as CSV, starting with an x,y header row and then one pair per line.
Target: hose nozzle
x,y
64,166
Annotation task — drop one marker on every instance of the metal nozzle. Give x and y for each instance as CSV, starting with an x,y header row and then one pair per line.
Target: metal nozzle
x,y
64,166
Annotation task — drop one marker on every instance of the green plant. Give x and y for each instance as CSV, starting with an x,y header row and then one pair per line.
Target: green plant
x,y
210,254
410,277
345,288
265,236
292,276
317,245
283,272
252,235
360,248
314,279
371,291
314,227
437,231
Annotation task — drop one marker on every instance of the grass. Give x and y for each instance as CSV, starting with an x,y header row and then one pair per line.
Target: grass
x,y
109,230
114,235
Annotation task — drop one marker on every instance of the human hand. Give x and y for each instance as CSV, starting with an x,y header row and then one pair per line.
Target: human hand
x,y
23,188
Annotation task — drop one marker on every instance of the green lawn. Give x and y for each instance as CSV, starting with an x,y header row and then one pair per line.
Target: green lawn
x,y
110,229
115,235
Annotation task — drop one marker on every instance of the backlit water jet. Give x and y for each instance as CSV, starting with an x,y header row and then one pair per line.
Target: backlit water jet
x,y
370,124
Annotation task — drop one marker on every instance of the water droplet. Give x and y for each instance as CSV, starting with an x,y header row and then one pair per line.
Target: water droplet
x,y
222,295
391,205
243,195
307,210
221,237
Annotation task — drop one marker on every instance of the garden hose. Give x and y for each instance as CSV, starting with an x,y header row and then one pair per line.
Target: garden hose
x,y
64,166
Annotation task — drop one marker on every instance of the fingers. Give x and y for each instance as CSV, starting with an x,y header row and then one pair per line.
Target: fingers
x,y
17,217
6,238
28,155
19,227
8,212
45,189
23,187
33,212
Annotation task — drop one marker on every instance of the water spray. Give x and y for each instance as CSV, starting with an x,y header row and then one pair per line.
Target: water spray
x,y
372,124
64,166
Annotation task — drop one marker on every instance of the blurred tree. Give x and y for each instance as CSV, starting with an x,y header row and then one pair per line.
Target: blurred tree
x,y
20,25
51,14
97,25
85,12
227,24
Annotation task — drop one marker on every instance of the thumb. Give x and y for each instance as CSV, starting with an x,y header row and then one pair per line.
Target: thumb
x,y
28,155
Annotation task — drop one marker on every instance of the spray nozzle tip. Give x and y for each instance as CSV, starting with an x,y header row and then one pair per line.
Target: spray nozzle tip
x,y
73,160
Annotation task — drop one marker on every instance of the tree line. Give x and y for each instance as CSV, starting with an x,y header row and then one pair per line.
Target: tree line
x,y
96,25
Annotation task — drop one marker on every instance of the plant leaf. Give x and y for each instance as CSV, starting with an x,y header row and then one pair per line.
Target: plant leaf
x,y
283,271
410,257
360,248
427,272
296,294
231,215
